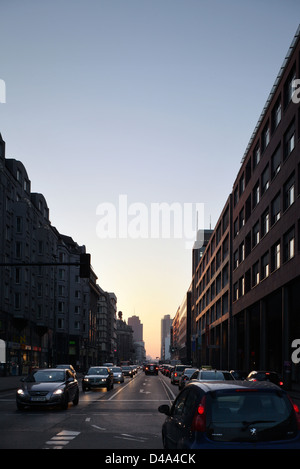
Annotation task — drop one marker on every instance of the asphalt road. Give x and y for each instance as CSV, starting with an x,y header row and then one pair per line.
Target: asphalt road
x,y
123,418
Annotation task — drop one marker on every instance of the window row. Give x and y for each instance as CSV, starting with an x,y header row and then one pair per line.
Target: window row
x,y
271,169
280,252
216,311
279,204
281,154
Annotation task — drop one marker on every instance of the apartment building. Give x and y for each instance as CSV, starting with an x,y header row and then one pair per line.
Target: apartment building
x,y
48,314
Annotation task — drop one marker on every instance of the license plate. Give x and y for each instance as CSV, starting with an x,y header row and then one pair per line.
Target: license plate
x,y
38,399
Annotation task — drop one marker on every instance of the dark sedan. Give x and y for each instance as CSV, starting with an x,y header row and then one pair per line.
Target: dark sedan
x,y
48,387
127,371
151,369
231,415
212,375
98,377
270,376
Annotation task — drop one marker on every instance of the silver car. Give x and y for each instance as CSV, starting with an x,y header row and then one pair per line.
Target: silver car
x,y
118,374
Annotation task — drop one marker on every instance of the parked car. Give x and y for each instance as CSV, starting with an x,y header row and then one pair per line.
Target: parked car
x,y
127,371
48,387
118,374
231,414
270,376
185,377
98,377
69,367
151,369
209,375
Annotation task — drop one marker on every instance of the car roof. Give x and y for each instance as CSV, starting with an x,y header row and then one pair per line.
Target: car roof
x,y
208,386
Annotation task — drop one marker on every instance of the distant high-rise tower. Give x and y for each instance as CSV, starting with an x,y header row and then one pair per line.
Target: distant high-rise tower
x,y
137,328
166,324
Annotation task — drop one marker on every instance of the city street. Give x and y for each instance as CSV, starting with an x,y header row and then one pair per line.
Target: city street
x,y
123,418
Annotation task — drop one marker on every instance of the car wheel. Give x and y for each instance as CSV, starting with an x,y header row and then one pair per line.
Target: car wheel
x,y
20,406
65,402
76,398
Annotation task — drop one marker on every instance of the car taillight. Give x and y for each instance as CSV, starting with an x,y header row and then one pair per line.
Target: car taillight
x,y
297,412
199,420
175,374
280,383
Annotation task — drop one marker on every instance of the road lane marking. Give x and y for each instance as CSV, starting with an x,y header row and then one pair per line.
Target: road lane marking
x,y
61,439
98,428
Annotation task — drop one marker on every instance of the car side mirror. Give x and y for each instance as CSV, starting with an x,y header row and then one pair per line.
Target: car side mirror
x,y
164,409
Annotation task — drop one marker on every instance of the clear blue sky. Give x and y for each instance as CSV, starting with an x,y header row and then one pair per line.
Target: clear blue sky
x,y
152,99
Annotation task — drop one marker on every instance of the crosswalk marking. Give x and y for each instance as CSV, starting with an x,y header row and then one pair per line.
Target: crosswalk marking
x,y
61,439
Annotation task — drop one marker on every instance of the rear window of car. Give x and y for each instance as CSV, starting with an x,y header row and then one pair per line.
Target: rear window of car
x,y
250,416
180,367
215,375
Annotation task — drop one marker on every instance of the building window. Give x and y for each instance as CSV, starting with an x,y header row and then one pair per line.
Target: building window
x,y
242,184
255,198
19,224
276,162
289,192
236,196
235,291
289,140
265,265
288,86
265,223
265,137
255,233
236,259
18,251
255,274
241,218
275,209
17,301
276,114
256,156
242,252
275,256
242,286
236,228
60,323
289,245
265,180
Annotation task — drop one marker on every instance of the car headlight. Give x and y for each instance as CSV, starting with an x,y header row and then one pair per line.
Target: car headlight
x,y
85,379
20,392
58,392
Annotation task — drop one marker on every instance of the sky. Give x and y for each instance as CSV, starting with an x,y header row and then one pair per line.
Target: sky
x,y
116,107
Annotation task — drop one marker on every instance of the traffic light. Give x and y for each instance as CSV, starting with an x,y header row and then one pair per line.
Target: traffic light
x,y
85,262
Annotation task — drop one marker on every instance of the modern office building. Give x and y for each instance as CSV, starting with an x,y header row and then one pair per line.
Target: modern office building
x,y
266,233
245,306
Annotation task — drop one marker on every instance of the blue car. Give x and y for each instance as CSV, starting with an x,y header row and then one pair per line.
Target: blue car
x,y
231,415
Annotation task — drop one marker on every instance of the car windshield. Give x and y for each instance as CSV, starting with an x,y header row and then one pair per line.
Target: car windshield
x,y
126,368
116,369
97,371
47,376
250,416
